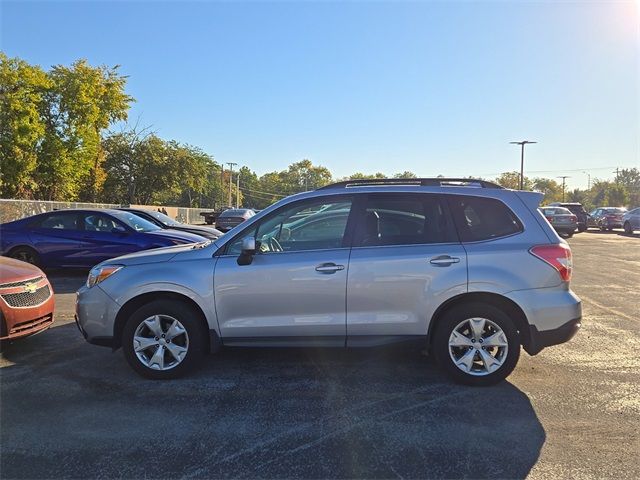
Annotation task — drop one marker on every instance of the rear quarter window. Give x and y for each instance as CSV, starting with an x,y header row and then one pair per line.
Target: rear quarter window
x,y
480,218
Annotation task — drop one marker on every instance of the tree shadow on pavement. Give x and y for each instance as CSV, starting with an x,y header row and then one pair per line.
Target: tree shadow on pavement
x,y
71,409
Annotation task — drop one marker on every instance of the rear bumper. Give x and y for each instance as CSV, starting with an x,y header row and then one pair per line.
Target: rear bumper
x,y
546,338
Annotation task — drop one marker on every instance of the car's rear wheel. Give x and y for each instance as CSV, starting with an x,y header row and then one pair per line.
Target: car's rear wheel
x,y
164,339
569,234
476,344
26,254
627,228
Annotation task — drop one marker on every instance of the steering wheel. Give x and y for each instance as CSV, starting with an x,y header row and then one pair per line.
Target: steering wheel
x,y
274,245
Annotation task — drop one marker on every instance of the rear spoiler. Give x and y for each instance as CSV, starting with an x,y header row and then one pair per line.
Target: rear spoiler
x,y
531,199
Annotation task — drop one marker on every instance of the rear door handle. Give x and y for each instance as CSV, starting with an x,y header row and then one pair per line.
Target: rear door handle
x,y
444,260
329,268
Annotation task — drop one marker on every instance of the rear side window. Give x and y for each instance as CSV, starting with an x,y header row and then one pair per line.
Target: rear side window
x,y
403,220
480,218
59,221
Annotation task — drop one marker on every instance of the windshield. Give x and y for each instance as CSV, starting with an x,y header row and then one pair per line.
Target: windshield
x,y
615,210
137,223
162,218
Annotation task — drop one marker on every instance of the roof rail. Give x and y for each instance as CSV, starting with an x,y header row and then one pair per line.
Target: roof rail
x,y
423,182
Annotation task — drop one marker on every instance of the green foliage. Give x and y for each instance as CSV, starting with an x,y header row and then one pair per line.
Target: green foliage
x,y
51,127
512,180
22,90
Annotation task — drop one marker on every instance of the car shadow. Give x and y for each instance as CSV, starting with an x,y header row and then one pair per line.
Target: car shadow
x,y
70,408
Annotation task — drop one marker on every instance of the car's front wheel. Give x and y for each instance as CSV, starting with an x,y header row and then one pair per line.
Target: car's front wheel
x,y
476,344
164,339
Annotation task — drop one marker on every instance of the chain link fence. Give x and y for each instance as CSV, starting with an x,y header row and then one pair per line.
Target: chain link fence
x,y
11,209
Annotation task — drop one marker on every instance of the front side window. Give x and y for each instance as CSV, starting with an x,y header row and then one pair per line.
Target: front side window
x,y
408,219
481,218
99,223
313,225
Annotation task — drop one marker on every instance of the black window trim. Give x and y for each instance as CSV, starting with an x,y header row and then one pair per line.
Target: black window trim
x,y
453,232
346,239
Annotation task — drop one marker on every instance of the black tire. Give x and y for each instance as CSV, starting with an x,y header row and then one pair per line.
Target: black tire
x,y
582,228
627,228
569,234
25,254
192,321
451,319
610,229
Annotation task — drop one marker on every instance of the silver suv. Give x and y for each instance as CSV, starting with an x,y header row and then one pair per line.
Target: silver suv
x,y
469,269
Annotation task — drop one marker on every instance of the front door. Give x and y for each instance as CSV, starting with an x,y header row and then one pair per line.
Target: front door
x,y
405,262
294,290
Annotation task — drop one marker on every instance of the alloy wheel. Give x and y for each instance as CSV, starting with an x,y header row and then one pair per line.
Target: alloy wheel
x,y
478,346
161,342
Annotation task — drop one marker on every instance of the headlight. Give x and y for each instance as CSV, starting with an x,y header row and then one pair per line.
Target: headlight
x,y
101,272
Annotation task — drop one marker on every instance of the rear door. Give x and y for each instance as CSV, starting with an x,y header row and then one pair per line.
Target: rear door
x,y
56,238
405,261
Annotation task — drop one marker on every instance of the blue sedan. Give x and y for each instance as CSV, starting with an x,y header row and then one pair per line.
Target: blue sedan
x,y
83,238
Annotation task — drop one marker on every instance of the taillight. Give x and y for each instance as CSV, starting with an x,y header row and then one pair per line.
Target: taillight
x,y
574,219
549,219
558,256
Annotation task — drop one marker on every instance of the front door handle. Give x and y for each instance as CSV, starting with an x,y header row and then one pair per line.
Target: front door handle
x,y
329,268
444,260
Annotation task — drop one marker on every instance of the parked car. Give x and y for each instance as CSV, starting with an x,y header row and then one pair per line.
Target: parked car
x,y
27,301
561,219
83,238
607,218
210,217
631,220
466,268
168,223
232,218
582,217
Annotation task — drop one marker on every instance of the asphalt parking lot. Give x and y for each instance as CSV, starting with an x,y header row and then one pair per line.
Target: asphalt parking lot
x,y
70,409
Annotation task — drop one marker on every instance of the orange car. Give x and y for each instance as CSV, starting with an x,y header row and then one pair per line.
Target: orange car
x,y
26,300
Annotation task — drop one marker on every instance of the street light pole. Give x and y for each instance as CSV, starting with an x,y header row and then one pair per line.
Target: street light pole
x,y
522,144
588,180
563,177
238,191
231,165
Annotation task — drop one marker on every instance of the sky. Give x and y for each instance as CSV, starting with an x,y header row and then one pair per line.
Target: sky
x,y
430,87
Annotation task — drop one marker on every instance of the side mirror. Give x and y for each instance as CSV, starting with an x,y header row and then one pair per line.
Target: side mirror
x,y
248,250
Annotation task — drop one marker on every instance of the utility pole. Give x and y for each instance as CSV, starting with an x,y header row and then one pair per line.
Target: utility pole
x,y
563,177
221,185
238,191
588,180
231,165
522,144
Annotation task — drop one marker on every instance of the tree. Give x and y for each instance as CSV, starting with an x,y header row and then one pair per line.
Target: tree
x,y
22,89
605,193
82,102
512,180
551,189
405,174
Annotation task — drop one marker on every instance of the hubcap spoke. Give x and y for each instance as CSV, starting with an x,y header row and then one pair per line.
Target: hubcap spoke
x,y
154,325
491,364
142,343
466,361
477,327
174,330
498,339
157,361
176,351
459,340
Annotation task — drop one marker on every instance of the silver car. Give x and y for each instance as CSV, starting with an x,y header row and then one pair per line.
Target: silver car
x,y
466,268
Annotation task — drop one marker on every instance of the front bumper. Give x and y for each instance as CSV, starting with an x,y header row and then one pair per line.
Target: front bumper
x,y
95,315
